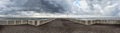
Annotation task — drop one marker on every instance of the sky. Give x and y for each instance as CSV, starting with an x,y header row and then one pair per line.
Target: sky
x,y
60,7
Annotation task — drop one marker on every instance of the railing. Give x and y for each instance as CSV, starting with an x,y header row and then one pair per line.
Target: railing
x,y
90,22
19,22
40,22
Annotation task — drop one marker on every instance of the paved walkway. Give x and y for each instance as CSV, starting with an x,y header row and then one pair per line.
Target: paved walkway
x,y
61,26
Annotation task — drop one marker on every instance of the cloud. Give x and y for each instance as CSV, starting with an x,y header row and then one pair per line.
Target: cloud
x,y
96,7
63,7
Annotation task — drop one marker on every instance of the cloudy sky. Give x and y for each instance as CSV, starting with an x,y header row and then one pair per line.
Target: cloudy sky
x,y
61,7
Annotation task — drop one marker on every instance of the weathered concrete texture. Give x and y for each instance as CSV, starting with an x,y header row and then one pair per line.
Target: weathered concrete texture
x,y
61,26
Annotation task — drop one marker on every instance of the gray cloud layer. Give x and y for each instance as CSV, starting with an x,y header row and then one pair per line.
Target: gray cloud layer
x,y
71,7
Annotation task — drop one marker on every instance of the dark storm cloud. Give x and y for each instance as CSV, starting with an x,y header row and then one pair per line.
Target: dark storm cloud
x,y
53,8
42,6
